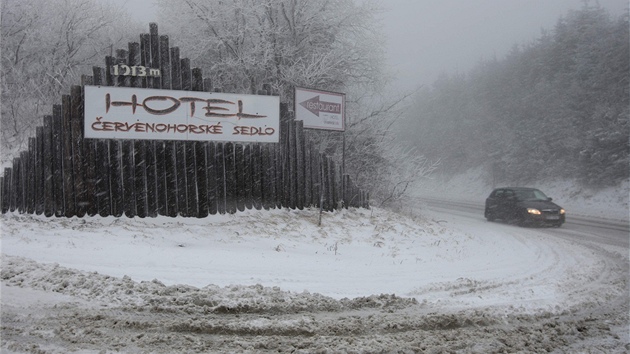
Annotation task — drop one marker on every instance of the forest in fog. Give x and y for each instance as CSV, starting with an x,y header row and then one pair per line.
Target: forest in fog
x,y
556,108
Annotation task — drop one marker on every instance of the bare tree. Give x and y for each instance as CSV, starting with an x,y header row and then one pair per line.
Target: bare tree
x,y
378,159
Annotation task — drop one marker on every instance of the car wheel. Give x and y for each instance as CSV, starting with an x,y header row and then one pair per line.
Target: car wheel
x,y
489,216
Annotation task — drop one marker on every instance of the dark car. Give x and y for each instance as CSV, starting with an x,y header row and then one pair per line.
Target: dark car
x,y
523,206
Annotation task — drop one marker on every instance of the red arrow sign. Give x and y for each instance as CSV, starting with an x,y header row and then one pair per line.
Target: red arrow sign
x,y
315,106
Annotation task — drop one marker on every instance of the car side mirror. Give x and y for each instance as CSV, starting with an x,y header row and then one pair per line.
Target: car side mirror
x,y
549,199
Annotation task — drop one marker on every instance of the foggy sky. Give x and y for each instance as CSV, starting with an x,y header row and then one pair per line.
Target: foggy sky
x,y
428,37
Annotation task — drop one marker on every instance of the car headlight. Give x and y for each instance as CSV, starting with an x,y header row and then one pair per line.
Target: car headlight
x,y
533,211
562,211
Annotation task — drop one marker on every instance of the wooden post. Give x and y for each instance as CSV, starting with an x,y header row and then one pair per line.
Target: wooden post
x,y
308,176
240,177
103,183
230,178
129,180
176,75
121,58
220,172
89,146
285,186
155,56
109,77
116,177
279,178
24,182
78,163
69,202
268,175
192,204
248,176
292,160
165,63
186,74
330,184
140,177
57,164
151,177
39,171
201,171
211,177
135,58
49,203
89,163
17,180
170,174
192,80
180,173
32,148
202,178
257,176
146,60
160,178
6,190
299,164
14,185
322,186
316,169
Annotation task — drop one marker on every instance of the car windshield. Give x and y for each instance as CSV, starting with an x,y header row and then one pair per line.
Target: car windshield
x,y
530,194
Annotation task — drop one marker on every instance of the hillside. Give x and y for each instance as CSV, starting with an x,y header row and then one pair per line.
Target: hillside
x,y
556,108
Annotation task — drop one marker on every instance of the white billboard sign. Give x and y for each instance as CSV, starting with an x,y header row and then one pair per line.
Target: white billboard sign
x,y
320,109
137,113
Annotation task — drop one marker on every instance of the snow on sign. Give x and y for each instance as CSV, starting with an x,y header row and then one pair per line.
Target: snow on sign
x,y
137,113
320,109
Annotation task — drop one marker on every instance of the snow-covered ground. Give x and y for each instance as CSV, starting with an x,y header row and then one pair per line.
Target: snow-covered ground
x,y
281,262
354,253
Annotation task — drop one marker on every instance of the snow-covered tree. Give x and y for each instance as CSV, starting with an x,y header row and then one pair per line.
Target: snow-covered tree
x,y
46,46
554,108
244,44
334,45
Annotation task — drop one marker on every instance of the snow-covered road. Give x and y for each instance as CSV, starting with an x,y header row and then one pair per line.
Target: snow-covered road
x,y
260,281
